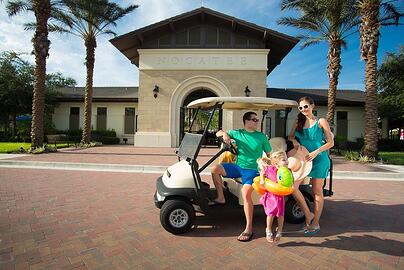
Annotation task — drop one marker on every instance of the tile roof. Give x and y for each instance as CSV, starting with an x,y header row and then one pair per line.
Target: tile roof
x,y
320,96
106,94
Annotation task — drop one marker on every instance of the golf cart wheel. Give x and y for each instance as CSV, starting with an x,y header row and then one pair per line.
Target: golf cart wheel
x,y
293,212
177,216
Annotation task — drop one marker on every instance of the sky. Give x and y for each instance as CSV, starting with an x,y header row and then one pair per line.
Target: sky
x,y
299,69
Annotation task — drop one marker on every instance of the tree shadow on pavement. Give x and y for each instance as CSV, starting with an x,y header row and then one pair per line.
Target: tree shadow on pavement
x,y
356,215
356,243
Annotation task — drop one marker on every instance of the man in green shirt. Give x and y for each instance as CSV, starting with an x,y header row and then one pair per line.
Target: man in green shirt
x,y
250,146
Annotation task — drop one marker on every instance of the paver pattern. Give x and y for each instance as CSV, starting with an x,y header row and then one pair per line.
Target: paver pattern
x,y
102,220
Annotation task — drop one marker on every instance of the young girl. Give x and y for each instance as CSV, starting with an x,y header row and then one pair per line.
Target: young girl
x,y
274,205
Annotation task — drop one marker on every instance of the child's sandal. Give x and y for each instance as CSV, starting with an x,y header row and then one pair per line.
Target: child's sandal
x,y
269,236
277,237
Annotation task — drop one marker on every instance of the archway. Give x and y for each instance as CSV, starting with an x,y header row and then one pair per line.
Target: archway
x,y
186,116
181,93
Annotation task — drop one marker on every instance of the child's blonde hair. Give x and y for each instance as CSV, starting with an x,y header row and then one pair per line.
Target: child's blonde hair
x,y
276,156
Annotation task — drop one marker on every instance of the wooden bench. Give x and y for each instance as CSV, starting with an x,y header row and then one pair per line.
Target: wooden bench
x,y
60,138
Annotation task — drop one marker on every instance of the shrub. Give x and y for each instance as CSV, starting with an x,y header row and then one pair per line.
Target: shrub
x,y
388,145
109,140
349,155
355,156
96,135
104,133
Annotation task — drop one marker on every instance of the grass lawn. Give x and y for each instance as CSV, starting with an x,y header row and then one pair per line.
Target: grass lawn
x,y
10,147
396,158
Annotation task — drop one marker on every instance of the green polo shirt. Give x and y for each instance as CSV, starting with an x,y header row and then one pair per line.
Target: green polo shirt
x,y
250,146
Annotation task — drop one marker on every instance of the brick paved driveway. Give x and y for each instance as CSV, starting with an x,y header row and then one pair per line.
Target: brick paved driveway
x,y
97,220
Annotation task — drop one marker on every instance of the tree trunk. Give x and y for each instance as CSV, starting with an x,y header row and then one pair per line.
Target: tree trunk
x,y
90,44
369,34
333,68
42,9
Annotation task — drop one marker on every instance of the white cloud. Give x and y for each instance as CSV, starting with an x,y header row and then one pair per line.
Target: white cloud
x,y
13,37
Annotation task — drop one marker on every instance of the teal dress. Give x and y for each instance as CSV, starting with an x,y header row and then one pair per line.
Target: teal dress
x,y
313,138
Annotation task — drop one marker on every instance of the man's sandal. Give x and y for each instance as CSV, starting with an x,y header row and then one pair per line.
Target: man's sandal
x,y
245,236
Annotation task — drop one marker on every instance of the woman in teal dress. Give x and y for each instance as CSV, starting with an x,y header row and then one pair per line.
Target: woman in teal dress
x,y
314,134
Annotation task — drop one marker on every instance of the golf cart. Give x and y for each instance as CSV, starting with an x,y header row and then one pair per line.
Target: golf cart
x,y
180,192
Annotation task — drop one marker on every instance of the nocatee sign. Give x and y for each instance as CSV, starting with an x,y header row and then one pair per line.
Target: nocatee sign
x,y
225,59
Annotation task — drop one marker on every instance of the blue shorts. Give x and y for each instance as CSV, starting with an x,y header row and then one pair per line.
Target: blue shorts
x,y
234,171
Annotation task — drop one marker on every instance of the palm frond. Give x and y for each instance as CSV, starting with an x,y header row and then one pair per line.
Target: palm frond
x,y
18,6
57,28
31,26
91,18
300,23
61,16
309,40
294,4
390,14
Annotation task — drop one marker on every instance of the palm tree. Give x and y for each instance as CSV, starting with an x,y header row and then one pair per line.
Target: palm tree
x,y
371,19
324,20
90,19
44,10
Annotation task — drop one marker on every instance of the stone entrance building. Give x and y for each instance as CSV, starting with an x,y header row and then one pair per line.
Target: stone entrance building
x,y
197,54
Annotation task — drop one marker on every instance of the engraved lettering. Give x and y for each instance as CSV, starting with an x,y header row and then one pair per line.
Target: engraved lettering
x,y
175,60
188,60
244,60
202,61
161,60
215,58
230,60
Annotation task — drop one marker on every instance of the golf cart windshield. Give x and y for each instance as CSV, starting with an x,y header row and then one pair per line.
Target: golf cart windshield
x,y
191,143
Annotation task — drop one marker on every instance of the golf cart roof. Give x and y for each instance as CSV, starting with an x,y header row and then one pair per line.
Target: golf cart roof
x,y
243,103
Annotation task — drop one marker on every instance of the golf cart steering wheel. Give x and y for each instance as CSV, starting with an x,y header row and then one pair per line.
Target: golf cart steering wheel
x,y
228,146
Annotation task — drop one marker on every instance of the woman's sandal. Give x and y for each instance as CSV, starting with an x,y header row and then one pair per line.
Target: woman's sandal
x,y
307,225
312,230
269,236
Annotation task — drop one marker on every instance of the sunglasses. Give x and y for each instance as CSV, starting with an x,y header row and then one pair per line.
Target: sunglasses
x,y
254,120
303,107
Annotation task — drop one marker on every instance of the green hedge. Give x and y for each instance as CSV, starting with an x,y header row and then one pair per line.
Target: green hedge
x,y
391,145
96,135
109,140
386,145
76,132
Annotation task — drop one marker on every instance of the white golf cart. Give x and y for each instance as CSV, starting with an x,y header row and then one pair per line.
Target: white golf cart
x,y
180,192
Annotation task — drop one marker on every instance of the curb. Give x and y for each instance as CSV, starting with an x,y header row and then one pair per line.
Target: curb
x,y
100,167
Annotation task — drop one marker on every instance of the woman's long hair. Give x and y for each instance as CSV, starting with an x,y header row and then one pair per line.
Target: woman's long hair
x,y
301,119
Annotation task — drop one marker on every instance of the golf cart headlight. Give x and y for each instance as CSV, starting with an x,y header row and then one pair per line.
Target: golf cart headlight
x,y
159,197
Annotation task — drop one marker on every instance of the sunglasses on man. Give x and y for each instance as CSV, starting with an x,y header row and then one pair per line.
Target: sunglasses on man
x,y
303,107
254,120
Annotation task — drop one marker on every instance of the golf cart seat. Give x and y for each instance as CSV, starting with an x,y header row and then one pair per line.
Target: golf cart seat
x,y
234,185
